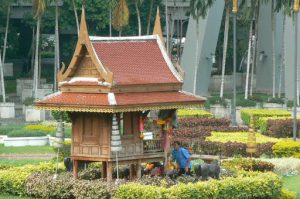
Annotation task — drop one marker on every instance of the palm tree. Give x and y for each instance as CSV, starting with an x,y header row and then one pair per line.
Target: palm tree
x,y
120,17
39,9
149,16
2,80
137,4
273,49
76,16
56,64
225,44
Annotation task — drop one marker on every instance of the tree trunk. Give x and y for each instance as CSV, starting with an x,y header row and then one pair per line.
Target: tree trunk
x,y
110,18
56,65
2,81
254,48
5,37
282,65
149,16
225,44
32,53
36,59
273,51
167,26
138,17
248,60
76,16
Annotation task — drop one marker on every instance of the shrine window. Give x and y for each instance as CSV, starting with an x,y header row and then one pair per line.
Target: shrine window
x,y
128,123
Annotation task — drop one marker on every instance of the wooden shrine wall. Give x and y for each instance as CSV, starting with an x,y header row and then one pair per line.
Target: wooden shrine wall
x,y
91,135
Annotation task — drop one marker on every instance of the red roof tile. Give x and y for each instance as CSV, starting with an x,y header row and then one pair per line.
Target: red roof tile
x,y
134,62
122,99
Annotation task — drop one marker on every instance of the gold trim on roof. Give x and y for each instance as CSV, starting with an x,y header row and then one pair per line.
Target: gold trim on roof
x,y
157,26
117,109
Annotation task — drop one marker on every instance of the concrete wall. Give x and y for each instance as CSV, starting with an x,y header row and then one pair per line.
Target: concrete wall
x,y
264,68
208,29
289,55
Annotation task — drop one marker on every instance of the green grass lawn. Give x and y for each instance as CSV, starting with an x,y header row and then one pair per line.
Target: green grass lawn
x,y
18,163
13,197
26,150
292,183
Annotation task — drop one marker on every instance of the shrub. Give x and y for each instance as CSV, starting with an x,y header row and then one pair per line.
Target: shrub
x,y
40,127
241,137
257,113
28,101
286,148
285,166
248,164
193,122
216,100
57,115
262,122
281,128
6,129
201,132
65,150
187,113
276,100
26,133
42,185
229,149
262,185
245,102
286,194
12,180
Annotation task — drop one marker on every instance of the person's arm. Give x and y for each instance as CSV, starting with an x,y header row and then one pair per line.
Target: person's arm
x,y
188,157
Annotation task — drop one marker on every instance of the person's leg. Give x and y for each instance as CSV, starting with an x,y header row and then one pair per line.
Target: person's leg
x,y
181,171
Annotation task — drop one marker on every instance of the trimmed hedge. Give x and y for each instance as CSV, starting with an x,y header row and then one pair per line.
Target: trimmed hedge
x,y
281,128
240,137
262,122
201,132
188,113
195,122
26,133
286,149
12,180
254,185
258,113
229,149
248,164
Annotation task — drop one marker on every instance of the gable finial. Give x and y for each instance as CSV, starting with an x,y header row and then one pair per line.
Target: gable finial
x,y
157,26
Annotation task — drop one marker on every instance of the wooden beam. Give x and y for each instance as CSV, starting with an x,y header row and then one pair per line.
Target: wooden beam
x,y
109,171
138,169
131,169
75,169
104,169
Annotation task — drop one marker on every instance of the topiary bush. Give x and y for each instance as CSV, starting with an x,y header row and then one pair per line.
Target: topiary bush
x,y
286,149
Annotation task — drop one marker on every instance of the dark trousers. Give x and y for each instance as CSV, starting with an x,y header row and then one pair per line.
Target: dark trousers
x,y
182,172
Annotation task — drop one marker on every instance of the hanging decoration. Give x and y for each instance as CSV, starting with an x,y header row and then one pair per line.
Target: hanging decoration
x,y
116,140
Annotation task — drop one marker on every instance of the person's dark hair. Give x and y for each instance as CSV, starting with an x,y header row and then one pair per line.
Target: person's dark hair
x,y
177,142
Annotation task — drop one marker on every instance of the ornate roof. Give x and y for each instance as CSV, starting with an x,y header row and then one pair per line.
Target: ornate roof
x,y
120,102
119,74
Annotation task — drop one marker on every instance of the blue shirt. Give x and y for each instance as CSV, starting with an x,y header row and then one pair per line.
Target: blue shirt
x,y
182,157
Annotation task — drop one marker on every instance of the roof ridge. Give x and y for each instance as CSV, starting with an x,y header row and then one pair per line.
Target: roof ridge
x,y
144,37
